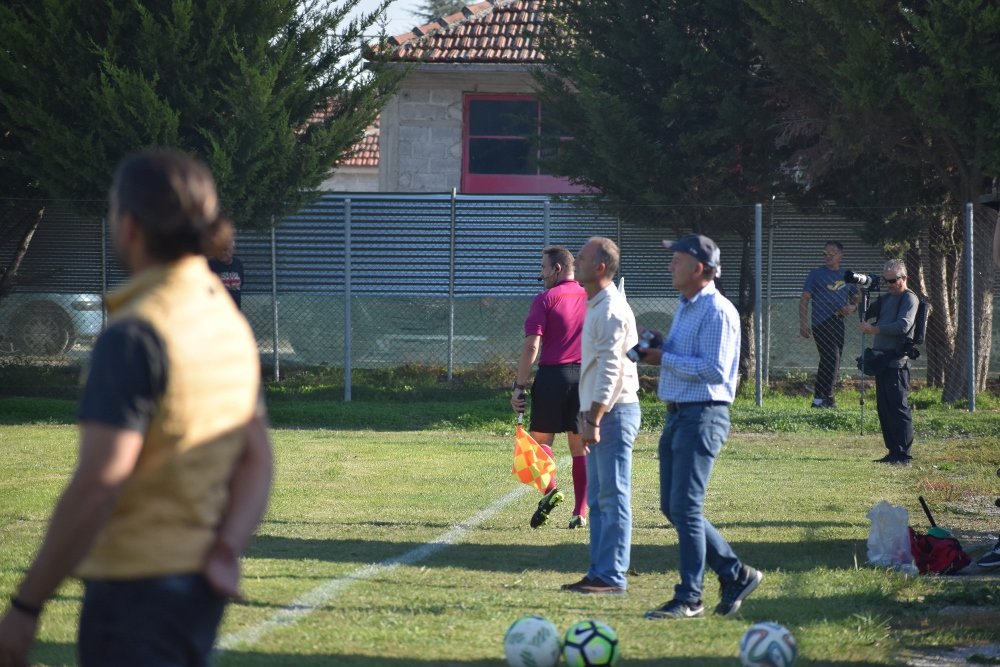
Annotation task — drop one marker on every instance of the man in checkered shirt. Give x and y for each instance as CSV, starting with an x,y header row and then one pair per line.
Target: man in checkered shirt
x,y
699,364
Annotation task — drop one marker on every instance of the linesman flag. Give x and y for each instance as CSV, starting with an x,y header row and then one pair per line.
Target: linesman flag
x,y
532,465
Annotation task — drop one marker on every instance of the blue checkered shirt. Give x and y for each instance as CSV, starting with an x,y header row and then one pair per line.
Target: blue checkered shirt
x,y
701,354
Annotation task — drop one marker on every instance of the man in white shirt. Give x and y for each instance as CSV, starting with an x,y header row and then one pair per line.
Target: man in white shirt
x,y
609,417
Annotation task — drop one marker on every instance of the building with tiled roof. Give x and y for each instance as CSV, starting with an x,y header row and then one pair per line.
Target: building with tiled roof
x,y
465,112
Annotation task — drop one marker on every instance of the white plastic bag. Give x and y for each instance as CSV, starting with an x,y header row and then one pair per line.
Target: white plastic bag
x,y
889,538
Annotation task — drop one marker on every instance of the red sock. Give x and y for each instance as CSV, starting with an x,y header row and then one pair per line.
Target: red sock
x,y
548,450
580,485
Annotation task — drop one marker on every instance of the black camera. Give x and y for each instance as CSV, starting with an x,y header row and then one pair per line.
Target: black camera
x,y
647,340
863,280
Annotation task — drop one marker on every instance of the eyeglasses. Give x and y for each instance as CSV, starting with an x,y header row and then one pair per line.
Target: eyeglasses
x,y
892,281
827,253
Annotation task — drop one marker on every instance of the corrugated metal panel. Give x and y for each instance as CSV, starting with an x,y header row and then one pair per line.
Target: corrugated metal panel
x,y
65,251
401,245
798,239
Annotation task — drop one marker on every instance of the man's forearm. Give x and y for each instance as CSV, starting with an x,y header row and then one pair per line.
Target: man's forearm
x,y
529,352
803,312
108,457
78,517
596,412
249,488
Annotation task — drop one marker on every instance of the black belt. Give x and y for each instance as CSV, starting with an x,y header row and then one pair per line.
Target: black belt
x,y
674,407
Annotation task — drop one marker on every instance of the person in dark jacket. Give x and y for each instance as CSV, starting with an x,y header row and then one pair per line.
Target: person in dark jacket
x,y
895,314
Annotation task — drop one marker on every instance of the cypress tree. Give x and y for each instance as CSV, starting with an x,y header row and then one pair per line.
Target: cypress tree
x,y
270,93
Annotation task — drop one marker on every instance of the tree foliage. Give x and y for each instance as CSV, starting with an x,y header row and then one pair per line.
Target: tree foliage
x,y
890,108
667,103
430,10
270,93
895,107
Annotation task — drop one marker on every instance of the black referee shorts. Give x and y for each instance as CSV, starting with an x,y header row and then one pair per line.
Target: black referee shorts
x,y
555,399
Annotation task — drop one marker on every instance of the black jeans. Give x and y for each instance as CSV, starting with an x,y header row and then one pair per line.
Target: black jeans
x,y
829,337
167,621
892,388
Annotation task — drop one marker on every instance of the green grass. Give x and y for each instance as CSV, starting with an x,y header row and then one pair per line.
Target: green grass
x,y
368,482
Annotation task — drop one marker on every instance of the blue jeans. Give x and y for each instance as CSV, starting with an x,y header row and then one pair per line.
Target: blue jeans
x,y
692,438
609,495
168,621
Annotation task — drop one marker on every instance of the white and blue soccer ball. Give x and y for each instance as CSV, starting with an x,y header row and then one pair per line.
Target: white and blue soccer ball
x,y
532,641
591,644
767,644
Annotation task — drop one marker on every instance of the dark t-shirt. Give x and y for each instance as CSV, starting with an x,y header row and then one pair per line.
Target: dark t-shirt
x,y
829,293
127,376
231,276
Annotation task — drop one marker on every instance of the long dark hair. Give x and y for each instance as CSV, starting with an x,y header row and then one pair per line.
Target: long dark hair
x,y
173,199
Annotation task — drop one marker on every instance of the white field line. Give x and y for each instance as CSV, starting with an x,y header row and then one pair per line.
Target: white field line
x,y
322,594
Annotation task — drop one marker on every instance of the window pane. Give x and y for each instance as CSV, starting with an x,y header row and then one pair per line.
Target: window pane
x,y
500,156
503,117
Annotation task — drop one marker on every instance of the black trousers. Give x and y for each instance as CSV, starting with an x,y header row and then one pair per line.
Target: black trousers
x,y
892,388
829,337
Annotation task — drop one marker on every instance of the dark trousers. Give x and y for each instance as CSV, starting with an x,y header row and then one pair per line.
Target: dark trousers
x,y
168,621
892,388
829,337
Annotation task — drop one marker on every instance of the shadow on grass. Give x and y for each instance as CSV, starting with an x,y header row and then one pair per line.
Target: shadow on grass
x,y
569,558
56,653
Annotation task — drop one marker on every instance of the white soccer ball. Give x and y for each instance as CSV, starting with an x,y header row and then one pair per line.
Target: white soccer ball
x,y
532,641
767,644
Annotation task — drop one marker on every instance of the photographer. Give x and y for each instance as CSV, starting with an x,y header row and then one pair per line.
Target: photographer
x,y
895,314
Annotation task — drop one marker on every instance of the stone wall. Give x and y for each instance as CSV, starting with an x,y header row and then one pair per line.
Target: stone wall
x,y
352,179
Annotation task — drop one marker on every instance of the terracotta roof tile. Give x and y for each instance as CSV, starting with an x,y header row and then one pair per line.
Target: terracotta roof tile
x,y
493,31
365,153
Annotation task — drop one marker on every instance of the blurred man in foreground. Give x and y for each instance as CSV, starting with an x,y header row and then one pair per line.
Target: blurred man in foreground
x,y
175,463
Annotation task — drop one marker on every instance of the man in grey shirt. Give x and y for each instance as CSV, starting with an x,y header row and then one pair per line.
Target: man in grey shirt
x,y
895,314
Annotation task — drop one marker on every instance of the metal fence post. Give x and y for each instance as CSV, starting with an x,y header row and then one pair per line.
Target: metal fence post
x,y
970,310
347,300
274,303
767,299
451,291
758,302
104,273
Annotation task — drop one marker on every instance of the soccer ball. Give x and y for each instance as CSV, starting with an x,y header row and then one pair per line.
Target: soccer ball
x,y
590,644
767,644
531,641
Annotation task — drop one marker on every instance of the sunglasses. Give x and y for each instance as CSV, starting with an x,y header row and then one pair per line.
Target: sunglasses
x,y
892,281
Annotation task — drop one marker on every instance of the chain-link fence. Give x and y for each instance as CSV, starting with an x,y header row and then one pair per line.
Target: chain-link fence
x,y
361,281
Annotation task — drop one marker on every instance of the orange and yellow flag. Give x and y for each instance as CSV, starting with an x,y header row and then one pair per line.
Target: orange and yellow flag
x,y
532,464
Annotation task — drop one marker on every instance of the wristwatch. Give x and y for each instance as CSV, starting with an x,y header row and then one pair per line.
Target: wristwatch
x,y
514,385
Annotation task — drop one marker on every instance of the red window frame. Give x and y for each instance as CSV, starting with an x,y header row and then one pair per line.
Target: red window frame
x,y
506,183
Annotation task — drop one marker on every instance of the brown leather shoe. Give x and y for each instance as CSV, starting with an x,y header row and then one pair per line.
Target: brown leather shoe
x,y
576,584
597,587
